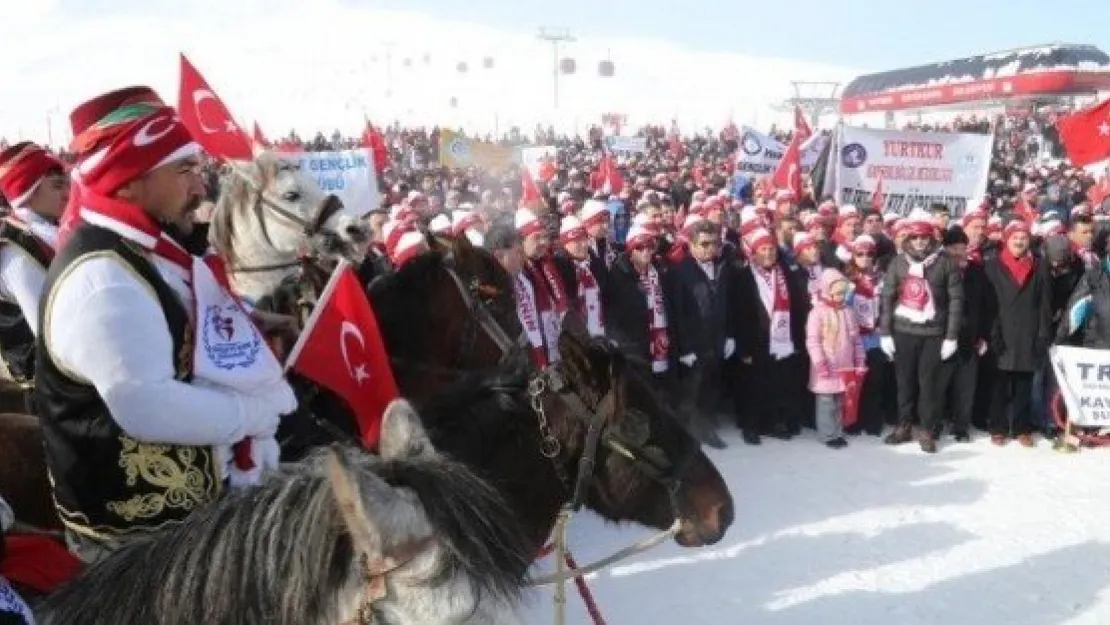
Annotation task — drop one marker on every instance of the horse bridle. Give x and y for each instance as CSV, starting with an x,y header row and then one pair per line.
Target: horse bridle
x,y
597,414
311,227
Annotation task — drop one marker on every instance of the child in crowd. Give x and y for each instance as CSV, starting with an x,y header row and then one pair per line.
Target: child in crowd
x,y
833,343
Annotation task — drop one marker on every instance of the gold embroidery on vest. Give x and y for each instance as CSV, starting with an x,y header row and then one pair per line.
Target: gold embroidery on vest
x,y
168,469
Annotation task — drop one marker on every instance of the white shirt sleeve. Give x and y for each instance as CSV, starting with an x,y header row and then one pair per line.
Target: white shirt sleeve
x,y
21,280
106,327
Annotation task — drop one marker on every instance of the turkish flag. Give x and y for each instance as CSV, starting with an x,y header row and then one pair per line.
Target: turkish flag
x,y
878,200
853,384
788,175
1086,134
373,139
610,177
341,349
529,193
1099,192
801,126
547,169
206,117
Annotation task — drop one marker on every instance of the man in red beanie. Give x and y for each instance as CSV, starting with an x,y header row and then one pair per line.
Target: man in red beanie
x,y
132,442
35,185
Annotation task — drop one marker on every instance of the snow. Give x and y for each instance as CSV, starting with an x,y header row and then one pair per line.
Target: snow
x,y
973,535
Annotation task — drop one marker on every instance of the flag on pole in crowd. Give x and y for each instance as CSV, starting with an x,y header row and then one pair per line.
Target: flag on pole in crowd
x,y
609,176
208,119
1099,192
1086,134
801,126
341,349
372,138
788,174
878,200
530,195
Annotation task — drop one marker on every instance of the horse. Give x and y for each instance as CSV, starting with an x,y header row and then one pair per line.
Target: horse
x,y
342,537
300,222
590,430
272,220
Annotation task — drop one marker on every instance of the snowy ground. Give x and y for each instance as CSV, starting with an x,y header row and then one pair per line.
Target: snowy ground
x,y
874,535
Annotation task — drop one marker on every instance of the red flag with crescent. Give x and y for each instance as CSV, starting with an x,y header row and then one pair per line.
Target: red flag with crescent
x,y
853,384
788,174
341,349
207,119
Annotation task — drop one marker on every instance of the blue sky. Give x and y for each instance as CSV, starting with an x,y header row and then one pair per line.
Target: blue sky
x,y
875,34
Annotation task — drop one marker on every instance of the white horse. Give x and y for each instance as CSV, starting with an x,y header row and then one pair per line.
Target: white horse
x,y
344,538
270,215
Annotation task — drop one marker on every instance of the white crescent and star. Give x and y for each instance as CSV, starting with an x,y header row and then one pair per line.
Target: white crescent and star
x,y
201,95
358,373
147,135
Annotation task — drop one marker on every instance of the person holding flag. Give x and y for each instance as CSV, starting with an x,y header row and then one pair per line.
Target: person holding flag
x,y
148,372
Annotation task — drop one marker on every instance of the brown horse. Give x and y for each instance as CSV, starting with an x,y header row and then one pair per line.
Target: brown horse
x,y
590,430
23,479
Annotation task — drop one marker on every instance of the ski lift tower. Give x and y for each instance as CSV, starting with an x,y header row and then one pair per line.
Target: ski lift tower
x,y
815,98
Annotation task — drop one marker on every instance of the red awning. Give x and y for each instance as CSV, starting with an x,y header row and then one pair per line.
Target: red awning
x,y
1061,82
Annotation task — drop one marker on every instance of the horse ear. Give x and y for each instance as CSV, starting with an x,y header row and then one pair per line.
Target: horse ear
x,y
403,434
349,500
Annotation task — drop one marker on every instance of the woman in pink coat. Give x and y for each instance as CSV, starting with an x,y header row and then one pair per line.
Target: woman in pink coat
x,y
833,343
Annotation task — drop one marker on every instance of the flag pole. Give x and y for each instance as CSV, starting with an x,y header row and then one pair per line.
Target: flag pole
x,y
309,325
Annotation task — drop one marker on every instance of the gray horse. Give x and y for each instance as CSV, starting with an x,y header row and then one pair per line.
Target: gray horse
x,y
344,537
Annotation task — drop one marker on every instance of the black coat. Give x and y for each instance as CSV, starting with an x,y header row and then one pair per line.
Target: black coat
x,y
752,322
1094,329
702,313
946,285
1022,328
978,310
627,316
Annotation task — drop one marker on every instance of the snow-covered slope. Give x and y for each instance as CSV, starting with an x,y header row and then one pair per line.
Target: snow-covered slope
x,y
974,535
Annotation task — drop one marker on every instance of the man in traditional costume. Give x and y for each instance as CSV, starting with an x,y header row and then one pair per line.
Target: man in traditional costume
x,y
142,389
35,185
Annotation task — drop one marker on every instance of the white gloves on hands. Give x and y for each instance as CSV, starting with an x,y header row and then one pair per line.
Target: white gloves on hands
x,y
689,359
266,456
981,348
730,348
886,343
947,348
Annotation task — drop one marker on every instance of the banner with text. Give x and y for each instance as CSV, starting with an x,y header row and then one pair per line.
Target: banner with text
x,y
1084,378
458,151
759,154
635,145
917,168
348,174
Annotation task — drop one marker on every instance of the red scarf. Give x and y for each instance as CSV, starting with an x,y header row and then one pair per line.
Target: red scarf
x,y
550,295
781,341
1090,259
37,562
589,298
975,254
1020,269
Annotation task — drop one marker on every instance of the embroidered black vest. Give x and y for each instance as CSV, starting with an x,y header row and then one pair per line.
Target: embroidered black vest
x,y
105,482
17,341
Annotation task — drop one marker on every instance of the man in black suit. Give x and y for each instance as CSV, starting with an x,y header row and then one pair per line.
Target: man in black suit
x,y
700,284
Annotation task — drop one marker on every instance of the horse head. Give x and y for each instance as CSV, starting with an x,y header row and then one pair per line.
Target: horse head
x,y
271,216
645,467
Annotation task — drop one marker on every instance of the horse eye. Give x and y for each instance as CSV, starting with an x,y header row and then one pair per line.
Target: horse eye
x,y
291,196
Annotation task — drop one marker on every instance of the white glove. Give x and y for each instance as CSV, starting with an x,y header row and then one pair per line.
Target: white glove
x,y
264,412
688,360
947,348
730,348
982,348
886,343
266,456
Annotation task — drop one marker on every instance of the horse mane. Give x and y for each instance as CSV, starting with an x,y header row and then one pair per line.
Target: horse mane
x,y
277,553
237,195
401,304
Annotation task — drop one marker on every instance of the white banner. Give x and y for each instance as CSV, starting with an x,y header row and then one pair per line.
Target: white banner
x,y
348,174
917,168
533,157
1084,379
637,145
758,154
